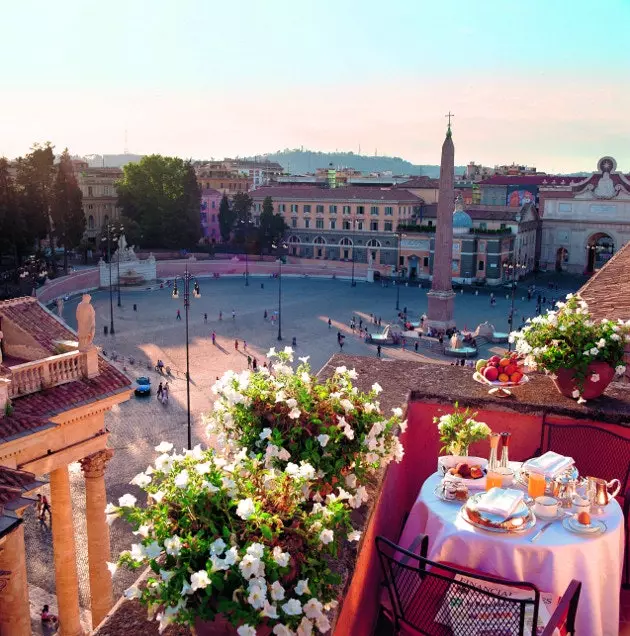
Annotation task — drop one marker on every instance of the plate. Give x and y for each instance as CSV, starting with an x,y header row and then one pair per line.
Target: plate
x,y
493,523
439,493
482,380
522,476
597,526
450,461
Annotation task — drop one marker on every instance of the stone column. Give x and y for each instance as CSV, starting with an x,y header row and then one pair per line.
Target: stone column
x,y
66,580
15,613
98,534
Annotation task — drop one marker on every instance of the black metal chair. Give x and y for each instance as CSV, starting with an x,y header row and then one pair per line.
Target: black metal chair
x,y
426,598
598,453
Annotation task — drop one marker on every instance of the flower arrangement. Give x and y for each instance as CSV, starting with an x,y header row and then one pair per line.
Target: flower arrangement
x,y
246,531
568,338
459,429
282,416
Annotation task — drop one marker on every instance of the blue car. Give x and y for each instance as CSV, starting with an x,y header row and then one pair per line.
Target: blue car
x,y
143,386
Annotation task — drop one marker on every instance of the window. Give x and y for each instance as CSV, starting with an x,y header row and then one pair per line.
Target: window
x,y
319,209
425,261
345,241
203,215
333,224
295,208
332,209
401,261
389,210
90,206
90,191
90,222
221,186
319,224
374,210
214,205
307,209
503,226
106,190
483,225
307,223
480,266
106,220
359,225
293,222
430,223
346,209
346,225
360,209
281,207
374,226
388,226
319,240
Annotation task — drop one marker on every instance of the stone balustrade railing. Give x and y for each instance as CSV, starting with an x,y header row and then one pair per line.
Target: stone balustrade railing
x,y
34,376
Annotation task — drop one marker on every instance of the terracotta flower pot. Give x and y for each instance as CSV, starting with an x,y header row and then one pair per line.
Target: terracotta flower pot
x,y
565,380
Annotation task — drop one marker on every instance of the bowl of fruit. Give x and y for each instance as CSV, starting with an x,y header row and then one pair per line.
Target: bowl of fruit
x,y
501,371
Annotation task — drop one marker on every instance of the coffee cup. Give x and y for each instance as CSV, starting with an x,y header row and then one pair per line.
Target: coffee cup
x,y
507,476
581,504
546,506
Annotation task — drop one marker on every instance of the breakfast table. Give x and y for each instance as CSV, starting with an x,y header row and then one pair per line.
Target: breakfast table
x,y
557,556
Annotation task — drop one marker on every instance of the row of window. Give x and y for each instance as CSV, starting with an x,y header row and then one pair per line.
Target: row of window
x,y
373,226
375,210
106,191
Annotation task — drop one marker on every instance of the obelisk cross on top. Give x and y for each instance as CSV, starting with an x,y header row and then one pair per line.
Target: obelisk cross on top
x,y
449,119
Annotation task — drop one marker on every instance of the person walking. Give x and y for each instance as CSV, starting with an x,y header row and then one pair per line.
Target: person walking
x,y
415,346
266,314
236,344
220,316
329,323
179,316
160,391
214,338
233,315
378,351
254,365
360,324
244,345
43,507
205,319
249,362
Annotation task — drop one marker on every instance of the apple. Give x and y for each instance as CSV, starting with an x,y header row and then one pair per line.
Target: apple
x,y
491,373
504,362
504,377
480,365
510,369
494,360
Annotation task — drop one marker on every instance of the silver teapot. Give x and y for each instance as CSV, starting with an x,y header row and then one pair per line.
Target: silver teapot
x,y
564,487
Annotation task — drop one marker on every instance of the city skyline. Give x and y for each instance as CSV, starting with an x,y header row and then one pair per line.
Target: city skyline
x,y
195,80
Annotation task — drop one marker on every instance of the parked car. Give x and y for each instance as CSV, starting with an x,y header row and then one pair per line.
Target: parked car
x,y
143,386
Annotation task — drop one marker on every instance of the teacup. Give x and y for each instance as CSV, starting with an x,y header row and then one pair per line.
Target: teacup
x,y
507,476
546,506
581,504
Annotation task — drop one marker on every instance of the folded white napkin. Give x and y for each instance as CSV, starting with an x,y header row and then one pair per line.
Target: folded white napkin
x,y
501,502
550,464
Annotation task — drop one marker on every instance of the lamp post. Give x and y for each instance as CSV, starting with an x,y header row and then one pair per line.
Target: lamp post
x,y
511,266
245,227
109,260
354,226
118,228
196,292
396,270
278,247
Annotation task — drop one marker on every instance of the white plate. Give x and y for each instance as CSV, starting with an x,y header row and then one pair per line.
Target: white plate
x,y
482,380
597,526
450,461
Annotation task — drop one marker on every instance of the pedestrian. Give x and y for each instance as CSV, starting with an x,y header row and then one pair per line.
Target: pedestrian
x,y
249,362
233,315
205,319
329,323
244,345
379,321
262,285
47,618
179,316
352,326
341,343
214,338
236,344
254,365
45,508
415,346
360,324
266,315
159,391
220,315
378,351
39,507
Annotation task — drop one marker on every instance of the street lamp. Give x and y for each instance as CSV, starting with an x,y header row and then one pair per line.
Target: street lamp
x,y
396,270
109,260
196,292
245,226
510,268
354,227
278,247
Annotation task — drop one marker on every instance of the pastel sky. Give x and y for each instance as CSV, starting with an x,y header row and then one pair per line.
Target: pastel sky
x,y
541,83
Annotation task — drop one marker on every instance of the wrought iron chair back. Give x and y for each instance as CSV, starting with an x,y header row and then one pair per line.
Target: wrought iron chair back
x,y
428,597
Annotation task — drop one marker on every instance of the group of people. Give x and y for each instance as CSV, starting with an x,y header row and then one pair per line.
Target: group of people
x,y
162,393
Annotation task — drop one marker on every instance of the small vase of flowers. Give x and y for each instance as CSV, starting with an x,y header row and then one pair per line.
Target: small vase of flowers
x,y
459,429
581,355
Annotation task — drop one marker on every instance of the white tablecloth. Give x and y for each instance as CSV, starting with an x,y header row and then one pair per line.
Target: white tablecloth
x,y
550,563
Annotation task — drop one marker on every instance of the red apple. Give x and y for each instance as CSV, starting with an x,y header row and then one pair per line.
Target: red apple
x,y
491,373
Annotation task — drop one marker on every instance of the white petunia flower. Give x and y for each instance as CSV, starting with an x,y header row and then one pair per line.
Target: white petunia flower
x,y
340,370
282,630
355,535
164,447
346,405
302,587
265,434
403,426
204,468
323,624
199,580
352,374
141,480
594,351
398,412
292,607
620,370
294,413
256,597
245,508
173,545
186,589
575,394
326,536
291,403
280,557
288,351
272,352
181,481
595,377
304,359
246,630
137,552
256,549
157,496
251,566
132,592
142,531
218,547
153,550
231,556
312,608
601,343
269,610
127,501
277,591
112,567
305,628
323,439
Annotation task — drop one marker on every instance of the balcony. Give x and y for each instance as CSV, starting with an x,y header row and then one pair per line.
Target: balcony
x,y
31,377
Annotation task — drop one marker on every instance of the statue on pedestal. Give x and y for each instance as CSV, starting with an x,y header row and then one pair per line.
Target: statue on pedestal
x,y
60,307
125,252
86,323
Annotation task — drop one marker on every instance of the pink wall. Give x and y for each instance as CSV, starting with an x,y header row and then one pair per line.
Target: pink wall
x,y
210,200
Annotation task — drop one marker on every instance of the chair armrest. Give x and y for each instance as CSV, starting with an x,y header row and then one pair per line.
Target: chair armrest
x,y
566,610
421,541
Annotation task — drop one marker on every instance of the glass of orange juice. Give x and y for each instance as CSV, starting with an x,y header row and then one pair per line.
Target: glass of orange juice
x,y
536,485
493,479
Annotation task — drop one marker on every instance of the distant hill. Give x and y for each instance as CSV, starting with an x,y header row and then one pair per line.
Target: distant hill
x,y
301,161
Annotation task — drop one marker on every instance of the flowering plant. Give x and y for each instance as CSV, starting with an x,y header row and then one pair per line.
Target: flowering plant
x,y
568,338
282,415
459,429
237,539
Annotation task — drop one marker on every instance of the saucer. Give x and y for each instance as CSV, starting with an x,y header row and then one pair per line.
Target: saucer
x,y
594,528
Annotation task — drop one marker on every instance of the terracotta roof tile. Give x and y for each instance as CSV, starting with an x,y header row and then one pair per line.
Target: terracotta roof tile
x,y
345,193
12,478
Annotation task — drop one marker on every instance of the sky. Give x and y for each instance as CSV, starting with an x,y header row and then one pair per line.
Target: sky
x,y
538,83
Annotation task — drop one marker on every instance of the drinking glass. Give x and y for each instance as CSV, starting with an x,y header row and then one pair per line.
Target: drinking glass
x,y
536,485
493,479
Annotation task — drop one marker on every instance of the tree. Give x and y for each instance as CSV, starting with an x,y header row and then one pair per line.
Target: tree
x,y
226,219
67,207
13,234
159,195
272,226
242,205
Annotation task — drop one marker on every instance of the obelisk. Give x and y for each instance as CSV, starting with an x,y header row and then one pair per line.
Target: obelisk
x,y
441,297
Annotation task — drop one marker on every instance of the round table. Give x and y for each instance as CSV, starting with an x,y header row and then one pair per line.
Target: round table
x,y
550,563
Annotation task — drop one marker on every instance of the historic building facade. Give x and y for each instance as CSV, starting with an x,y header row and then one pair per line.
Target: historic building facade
x,y
584,223
209,214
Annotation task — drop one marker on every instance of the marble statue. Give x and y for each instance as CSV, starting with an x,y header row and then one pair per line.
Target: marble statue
x,y
86,321
60,307
605,188
457,341
125,252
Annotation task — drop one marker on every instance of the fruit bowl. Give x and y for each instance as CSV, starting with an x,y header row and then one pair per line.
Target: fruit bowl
x,y
497,371
483,380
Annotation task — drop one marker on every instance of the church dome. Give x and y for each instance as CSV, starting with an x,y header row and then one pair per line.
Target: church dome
x,y
462,222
